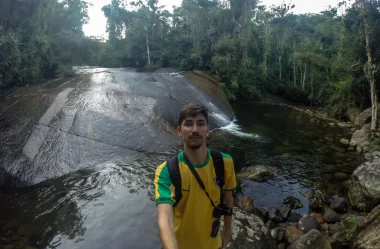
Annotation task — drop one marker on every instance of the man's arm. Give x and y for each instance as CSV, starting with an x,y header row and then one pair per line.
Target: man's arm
x,y
166,226
229,201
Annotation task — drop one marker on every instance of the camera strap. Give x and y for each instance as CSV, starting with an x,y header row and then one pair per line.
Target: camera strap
x,y
199,180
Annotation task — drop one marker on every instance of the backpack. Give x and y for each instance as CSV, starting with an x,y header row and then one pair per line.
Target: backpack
x,y
175,174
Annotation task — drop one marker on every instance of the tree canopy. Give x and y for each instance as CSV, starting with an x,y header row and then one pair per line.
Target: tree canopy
x,y
326,59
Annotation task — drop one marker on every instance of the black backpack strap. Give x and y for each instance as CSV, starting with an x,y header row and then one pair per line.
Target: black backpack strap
x,y
175,176
217,159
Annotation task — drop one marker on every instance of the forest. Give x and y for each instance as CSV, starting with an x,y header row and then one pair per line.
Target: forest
x,y
328,60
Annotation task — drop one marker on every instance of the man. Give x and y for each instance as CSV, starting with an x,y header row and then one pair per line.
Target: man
x,y
191,224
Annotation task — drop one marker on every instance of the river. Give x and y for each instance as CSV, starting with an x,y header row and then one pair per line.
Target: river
x,y
78,155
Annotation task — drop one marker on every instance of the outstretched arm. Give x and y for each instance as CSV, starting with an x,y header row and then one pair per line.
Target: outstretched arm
x,y
166,226
229,201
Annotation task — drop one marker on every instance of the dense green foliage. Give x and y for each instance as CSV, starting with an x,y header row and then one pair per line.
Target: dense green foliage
x,y
40,39
317,59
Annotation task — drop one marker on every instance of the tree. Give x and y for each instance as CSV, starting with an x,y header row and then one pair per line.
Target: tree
x,y
370,67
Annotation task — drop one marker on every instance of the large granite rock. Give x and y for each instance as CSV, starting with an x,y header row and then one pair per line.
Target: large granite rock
x,y
369,231
249,231
364,187
363,118
259,173
313,239
292,234
359,138
308,223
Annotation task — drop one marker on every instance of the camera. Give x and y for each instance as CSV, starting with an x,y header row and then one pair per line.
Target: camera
x,y
222,210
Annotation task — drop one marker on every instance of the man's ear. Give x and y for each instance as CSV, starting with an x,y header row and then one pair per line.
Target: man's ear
x,y
179,131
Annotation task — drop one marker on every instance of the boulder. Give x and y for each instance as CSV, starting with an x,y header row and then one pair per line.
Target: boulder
x,y
308,223
334,228
366,127
359,138
293,202
292,234
352,114
309,194
339,204
338,149
276,218
325,226
345,141
331,216
283,211
318,217
249,231
364,188
261,213
313,239
258,173
365,117
345,125
351,149
294,216
270,224
376,153
315,204
337,241
247,204
277,233
368,232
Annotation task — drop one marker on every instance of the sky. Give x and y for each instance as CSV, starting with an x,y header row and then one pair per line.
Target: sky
x,y
97,23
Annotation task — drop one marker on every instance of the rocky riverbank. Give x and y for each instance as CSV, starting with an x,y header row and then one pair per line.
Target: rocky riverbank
x,y
333,221
16,236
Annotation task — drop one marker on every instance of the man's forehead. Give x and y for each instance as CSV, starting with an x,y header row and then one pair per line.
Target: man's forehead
x,y
198,117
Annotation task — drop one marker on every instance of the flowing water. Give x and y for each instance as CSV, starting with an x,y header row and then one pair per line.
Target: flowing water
x,y
83,153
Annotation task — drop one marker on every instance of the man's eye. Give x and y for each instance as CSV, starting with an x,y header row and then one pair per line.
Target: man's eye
x,y
189,124
201,123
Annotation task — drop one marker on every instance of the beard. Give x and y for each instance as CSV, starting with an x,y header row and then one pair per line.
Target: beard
x,y
194,144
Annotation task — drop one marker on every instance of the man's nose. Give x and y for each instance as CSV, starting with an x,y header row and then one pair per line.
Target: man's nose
x,y
195,127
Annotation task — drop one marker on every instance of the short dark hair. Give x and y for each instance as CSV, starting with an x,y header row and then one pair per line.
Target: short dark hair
x,y
192,110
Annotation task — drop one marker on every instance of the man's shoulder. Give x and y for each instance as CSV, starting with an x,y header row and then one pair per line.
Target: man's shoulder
x,y
161,166
224,155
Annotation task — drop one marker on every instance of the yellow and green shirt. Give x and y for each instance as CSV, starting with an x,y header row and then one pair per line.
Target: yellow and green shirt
x,y
193,214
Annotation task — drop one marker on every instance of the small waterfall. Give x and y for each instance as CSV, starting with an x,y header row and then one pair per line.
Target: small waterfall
x,y
235,129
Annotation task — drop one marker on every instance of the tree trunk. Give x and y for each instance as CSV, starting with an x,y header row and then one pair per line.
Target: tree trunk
x,y
294,66
369,68
147,47
279,61
304,79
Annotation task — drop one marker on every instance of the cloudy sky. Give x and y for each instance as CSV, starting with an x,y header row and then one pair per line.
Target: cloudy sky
x,y
97,23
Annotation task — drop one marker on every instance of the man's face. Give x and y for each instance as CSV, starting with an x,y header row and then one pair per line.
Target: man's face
x,y
194,131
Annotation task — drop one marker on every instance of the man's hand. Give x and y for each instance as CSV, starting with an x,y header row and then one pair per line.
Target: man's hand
x,y
225,240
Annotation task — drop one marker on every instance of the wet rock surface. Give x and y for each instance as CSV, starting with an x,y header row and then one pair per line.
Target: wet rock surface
x,y
249,231
259,173
53,129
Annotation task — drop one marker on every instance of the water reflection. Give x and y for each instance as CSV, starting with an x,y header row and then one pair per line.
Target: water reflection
x,y
306,154
108,206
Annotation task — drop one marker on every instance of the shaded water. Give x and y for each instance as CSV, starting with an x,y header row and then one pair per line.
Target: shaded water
x,y
103,196
305,152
